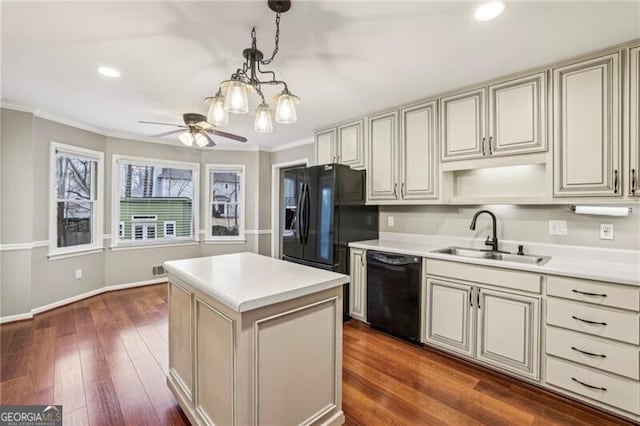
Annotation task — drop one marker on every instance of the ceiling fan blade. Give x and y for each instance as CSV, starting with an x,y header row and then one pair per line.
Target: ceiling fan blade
x,y
170,132
162,124
211,142
227,135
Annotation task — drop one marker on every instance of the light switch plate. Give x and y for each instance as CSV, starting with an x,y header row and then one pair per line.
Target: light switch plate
x,y
558,227
390,221
606,231
78,274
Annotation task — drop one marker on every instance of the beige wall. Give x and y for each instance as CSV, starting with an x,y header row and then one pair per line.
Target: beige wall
x,y
518,223
298,153
29,279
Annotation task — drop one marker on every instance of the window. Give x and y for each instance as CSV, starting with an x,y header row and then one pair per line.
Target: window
x,y
225,210
155,201
75,219
169,228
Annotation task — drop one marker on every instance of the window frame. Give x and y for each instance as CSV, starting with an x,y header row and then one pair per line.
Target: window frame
x,y
97,238
116,242
241,237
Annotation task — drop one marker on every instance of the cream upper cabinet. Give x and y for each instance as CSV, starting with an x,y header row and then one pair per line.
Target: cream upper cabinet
x,y
350,144
448,318
382,169
419,152
517,116
325,146
508,334
634,122
358,284
586,124
462,125
343,144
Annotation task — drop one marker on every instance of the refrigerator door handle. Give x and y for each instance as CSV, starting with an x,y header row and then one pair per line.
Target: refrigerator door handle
x,y
307,213
299,226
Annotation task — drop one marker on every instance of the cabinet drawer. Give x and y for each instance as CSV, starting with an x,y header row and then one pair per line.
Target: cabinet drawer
x,y
607,355
594,385
623,297
594,320
516,280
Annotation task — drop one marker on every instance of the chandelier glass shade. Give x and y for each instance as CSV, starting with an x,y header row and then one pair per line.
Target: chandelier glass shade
x,y
233,94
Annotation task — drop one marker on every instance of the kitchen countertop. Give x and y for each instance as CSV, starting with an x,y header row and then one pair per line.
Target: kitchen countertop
x,y
246,281
610,265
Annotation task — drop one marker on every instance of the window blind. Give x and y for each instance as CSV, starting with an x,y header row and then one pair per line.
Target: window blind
x,y
155,201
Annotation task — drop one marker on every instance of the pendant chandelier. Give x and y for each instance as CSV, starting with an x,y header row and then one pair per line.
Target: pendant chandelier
x,y
233,94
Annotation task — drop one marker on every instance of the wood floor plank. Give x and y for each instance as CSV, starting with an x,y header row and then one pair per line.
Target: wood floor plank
x,y
157,346
42,359
69,385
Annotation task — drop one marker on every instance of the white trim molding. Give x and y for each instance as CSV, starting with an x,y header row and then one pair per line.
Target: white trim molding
x,y
258,231
24,246
59,303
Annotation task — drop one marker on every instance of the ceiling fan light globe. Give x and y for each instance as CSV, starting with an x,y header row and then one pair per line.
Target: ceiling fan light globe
x,y
201,140
263,122
217,115
186,138
286,109
236,100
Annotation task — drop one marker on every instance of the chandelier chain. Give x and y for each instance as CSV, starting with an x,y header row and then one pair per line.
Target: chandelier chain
x,y
276,48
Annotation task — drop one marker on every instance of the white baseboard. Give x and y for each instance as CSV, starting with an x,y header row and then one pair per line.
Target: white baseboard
x,y
59,303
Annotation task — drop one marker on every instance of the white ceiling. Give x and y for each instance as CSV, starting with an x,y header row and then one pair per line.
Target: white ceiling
x,y
344,59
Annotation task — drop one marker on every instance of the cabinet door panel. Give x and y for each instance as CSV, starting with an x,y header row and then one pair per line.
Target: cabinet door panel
x,y
325,141
517,116
586,128
634,122
181,338
462,121
448,316
351,144
418,152
382,173
508,331
358,285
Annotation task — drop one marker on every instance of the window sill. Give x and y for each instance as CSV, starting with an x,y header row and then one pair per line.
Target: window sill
x,y
65,255
226,241
132,246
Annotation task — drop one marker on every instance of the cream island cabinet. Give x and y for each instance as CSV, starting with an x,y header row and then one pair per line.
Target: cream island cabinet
x,y
255,340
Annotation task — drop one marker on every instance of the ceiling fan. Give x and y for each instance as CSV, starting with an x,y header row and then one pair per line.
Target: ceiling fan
x,y
195,131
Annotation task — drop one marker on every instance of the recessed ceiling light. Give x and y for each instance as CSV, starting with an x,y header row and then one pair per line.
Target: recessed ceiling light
x,y
109,72
488,11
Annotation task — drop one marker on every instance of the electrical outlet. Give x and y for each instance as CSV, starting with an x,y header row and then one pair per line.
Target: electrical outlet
x,y
558,227
606,231
390,221
78,274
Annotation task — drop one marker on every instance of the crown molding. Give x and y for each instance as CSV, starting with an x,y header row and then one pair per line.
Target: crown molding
x,y
38,112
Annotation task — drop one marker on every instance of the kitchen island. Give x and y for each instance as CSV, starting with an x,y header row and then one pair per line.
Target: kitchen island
x,y
255,340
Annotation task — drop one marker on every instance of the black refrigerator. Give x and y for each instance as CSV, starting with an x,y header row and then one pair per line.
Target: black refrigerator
x,y
324,210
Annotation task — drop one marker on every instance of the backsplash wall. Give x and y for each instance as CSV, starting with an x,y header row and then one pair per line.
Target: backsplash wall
x,y
517,223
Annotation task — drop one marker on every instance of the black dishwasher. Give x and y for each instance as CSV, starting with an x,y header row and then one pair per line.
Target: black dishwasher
x,y
393,294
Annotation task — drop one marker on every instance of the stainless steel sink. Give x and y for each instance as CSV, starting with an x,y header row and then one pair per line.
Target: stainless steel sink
x,y
492,255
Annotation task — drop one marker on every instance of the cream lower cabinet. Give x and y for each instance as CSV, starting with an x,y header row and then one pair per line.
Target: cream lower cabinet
x,y
403,155
586,128
358,284
343,144
508,330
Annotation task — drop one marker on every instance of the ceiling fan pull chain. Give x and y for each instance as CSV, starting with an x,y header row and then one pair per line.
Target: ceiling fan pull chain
x,y
276,48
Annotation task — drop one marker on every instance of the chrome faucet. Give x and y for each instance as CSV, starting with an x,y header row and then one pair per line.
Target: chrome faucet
x,y
493,243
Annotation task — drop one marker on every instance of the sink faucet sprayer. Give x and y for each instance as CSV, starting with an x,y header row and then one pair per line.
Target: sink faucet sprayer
x,y
493,243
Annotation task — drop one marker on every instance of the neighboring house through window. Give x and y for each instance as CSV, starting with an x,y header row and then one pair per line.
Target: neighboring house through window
x,y
75,219
155,200
226,197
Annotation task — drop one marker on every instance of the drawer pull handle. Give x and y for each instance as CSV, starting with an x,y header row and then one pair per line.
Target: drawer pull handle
x,y
586,293
587,321
588,353
588,385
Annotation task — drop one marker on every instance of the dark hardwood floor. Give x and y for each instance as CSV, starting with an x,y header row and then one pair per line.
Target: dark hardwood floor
x,y
105,360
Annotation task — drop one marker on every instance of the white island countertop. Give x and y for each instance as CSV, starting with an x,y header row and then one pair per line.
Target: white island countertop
x,y
246,281
610,265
